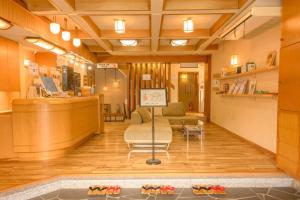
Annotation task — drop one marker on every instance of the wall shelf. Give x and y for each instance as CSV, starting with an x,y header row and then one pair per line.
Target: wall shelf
x,y
257,71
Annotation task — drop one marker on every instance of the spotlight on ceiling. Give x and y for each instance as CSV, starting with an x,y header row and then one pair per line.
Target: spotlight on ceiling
x,y
188,25
127,43
120,26
176,43
4,24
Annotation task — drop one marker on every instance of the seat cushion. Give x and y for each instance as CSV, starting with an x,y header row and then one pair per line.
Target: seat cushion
x,y
174,109
142,133
136,118
145,114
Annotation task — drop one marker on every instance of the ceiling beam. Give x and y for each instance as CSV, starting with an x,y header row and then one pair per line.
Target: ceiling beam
x,y
96,49
156,22
200,4
85,23
21,17
173,59
179,48
133,12
224,21
129,34
175,34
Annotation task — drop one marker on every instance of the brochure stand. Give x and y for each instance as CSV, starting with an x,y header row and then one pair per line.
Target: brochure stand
x,y
153,98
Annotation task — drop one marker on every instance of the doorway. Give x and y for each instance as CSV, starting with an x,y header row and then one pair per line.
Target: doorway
x,y
188,90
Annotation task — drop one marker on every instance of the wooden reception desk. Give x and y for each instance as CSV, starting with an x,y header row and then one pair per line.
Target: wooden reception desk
x,y
47,128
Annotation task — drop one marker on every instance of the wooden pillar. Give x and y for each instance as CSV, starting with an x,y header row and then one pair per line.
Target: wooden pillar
x,y
207,88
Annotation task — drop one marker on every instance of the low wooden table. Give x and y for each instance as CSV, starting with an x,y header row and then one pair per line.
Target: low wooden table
x,y
192,130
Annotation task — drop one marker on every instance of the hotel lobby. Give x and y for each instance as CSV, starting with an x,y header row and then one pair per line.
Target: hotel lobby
x,y
149,99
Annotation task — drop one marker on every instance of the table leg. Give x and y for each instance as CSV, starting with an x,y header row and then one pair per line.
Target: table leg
x,y
187,140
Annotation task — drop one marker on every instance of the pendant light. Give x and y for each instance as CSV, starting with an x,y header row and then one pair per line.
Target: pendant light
x,y
54,26
66,35
76,40
105,87
116,82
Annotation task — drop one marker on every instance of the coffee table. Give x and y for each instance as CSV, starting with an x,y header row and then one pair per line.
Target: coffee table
x,y
192,130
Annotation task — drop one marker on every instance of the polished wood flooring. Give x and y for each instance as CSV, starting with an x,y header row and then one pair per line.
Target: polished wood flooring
x,y
222,153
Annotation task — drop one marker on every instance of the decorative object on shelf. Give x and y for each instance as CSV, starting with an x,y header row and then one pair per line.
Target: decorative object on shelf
x,y
104,190
216,84
251,66
157,189
252,87
271,59
239,69
244,69
225,87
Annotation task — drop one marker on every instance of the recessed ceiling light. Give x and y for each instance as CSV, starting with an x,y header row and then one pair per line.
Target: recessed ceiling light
x,y
120,26
188,25
4,24
131,43
176,43
40,42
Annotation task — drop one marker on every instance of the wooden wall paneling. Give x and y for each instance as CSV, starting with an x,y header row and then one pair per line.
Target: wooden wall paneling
x,y
169,81
165,75
6,136
129,85
13,65
289,78
158,75
290,22
138,82
288,139
153,75
3,65
133,87
143,67
148,71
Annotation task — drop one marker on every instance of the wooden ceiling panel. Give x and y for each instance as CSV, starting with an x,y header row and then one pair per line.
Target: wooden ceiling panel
x,y
200,21
200,4
112,5
106,22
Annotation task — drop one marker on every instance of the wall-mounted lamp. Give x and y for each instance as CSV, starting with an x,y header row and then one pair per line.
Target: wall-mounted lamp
x,y
234,60
4,24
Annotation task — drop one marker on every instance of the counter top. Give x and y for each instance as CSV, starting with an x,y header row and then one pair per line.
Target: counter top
x,y
53,100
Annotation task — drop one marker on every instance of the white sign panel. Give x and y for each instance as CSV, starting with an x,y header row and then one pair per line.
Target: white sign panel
x,y
153,97
146,77
107,65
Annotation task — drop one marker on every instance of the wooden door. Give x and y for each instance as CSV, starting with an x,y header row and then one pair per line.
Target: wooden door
x,y
188,90
290,22
289,78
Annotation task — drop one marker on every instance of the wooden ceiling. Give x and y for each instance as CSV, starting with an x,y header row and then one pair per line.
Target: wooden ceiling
x,y
152,22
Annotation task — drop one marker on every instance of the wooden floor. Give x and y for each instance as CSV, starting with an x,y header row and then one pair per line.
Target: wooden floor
x,y
222,154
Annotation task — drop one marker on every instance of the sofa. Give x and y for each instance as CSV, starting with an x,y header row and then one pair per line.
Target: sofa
x,y
138,135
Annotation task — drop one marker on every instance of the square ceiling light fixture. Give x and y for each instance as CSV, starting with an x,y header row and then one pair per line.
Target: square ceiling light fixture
x,y
45,45
188,25
176,43
4,24
128,43
120,25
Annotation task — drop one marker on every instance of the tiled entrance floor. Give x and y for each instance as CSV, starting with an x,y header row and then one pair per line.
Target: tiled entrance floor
x,y
181,194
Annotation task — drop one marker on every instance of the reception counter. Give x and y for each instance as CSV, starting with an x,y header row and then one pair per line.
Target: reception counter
x,y
49,127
